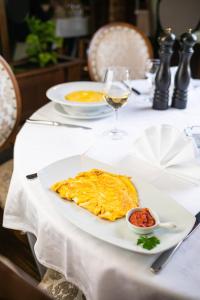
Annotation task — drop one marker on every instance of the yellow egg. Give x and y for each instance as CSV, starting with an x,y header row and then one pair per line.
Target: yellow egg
x,y
104,194
85,96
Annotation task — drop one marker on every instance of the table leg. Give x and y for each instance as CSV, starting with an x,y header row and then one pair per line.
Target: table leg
x,y
32,241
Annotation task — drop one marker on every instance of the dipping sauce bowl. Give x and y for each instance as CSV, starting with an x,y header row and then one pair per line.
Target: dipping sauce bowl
x,y
145,221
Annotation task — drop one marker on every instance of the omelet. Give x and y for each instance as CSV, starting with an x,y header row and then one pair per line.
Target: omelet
x,y
104,194
85,96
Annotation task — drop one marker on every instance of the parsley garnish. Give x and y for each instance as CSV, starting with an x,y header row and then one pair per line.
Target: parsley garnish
x,y
148,242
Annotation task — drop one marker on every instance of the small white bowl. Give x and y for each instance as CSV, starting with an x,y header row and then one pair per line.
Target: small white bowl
x,y
58,92
150,229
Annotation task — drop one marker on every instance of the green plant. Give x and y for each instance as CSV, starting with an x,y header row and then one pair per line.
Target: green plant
x,y
41,42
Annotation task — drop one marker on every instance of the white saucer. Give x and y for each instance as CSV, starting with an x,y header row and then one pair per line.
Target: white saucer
x,y
60,110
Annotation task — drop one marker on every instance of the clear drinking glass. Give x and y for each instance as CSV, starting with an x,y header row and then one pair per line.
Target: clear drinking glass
x,y
116,92
152,66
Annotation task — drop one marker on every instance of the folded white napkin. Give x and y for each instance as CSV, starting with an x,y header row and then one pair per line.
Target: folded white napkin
x,y
164,148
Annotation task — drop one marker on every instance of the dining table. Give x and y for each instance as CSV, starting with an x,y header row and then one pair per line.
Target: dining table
x,y
100,269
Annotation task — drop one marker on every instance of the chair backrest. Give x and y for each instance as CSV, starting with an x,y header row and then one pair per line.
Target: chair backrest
x,y
118,44
10,104
16,285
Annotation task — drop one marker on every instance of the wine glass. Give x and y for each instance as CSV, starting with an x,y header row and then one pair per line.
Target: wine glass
x,y
116,92
152,66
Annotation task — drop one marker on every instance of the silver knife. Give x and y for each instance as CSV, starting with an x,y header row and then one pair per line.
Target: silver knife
x,y
53,123
131,88
163,259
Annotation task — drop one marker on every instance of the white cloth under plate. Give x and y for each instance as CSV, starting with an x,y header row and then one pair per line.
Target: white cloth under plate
x,y
102,271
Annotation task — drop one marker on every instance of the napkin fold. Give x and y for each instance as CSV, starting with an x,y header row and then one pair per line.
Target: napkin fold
x,y
164,148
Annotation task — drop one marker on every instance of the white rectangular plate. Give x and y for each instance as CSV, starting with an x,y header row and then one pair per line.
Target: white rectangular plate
x,y
116,233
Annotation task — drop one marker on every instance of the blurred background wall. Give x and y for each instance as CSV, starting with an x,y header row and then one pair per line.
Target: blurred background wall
x,y
77,20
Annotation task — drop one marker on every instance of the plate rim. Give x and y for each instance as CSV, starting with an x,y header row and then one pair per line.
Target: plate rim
x,y
102,114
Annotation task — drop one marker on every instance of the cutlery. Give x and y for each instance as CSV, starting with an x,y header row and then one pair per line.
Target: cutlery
x,y
32,176
163,259
53,123
131,88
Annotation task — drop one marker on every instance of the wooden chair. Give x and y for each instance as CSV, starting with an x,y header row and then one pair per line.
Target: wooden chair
x,y
17,285
53,283
10,105
10,113
119,44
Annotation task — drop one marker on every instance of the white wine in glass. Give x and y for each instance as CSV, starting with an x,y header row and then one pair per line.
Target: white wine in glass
x,y
116,94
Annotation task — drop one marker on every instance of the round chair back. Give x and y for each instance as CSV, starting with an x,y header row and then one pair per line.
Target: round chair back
x,y
118,44
10,104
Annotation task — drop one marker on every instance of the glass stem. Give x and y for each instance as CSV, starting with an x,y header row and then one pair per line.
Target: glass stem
x,y
116,121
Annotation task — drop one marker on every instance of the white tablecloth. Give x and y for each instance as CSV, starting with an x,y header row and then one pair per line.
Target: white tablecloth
x,y
102,271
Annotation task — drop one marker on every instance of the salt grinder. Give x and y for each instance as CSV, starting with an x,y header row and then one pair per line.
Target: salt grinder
x,y
163,76
183,74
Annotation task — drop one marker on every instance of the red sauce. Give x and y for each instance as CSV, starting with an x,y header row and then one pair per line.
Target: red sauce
x,y
142,218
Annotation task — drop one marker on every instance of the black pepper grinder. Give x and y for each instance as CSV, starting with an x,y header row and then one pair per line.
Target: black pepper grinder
x,y
183,74
163,76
